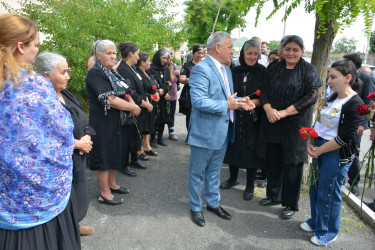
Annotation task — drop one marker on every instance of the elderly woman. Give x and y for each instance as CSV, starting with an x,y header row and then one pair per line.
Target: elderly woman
x,y
151,88
130,56
184,101
289,92
37,207
247,79
108,106
55,68
160,72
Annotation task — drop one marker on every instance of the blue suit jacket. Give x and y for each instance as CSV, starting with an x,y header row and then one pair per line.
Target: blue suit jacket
x,y
209,119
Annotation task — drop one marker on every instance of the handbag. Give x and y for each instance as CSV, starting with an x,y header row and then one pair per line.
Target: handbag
x,y
126,120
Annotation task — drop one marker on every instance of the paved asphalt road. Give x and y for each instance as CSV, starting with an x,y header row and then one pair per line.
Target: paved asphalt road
x,y
156,213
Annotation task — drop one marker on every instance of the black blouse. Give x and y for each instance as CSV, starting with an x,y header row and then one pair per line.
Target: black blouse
x,y
282,88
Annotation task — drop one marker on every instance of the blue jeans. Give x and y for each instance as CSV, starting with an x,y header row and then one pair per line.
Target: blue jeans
x,y
325,195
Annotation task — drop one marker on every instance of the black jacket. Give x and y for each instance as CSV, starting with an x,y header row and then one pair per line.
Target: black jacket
x,y
347,130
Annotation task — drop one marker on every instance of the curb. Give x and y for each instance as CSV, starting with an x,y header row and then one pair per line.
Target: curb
x,y
365,213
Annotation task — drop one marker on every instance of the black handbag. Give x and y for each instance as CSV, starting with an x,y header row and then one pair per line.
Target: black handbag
x,y
126,120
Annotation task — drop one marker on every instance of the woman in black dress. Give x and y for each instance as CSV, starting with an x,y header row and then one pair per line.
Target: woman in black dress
x,y
247,79
126,68
184,101
289,92
160,72
55,68
106,90
152,92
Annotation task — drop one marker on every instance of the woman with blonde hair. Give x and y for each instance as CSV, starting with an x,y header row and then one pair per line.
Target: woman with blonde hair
x,y
37,206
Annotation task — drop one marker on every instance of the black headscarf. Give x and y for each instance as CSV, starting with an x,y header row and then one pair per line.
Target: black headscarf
x,y
243,67
156,66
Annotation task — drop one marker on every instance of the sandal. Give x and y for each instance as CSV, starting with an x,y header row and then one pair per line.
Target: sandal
x,y
114,201
121,190
143,157
151,152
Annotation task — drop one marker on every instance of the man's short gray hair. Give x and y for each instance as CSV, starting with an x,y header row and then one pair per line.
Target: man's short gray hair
x,y
48,62
216,38
100,45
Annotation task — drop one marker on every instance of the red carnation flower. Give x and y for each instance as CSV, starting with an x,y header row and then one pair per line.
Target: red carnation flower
x,y
371,96
313,134
169,82
127,96
154,96
363,109
153,87
258,92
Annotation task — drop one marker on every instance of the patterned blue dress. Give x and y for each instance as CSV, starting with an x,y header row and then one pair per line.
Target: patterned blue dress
x,y
36,146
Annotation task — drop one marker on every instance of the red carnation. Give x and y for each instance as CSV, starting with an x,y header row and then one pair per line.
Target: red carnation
x,y
154,96
258,92
308,133
169,82
313,134
154,87
363,109
127,96
371,96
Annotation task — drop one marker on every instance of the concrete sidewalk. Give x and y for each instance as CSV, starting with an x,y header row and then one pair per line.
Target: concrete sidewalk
x,y
156,213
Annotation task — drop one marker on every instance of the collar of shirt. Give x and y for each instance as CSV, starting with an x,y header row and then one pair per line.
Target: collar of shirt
x,y
218,66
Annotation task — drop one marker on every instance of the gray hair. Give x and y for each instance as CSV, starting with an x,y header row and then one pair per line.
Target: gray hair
x,y
164,53
251,44
256,39
100,45
48,62
216,38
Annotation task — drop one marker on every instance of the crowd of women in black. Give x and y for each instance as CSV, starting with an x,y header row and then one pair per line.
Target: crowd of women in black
x,y
131,101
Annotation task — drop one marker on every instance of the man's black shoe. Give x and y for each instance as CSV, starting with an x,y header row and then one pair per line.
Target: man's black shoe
x,y
153,144
229,184
260,176
287,213
129,171
198,218
268,202
219,211
137,164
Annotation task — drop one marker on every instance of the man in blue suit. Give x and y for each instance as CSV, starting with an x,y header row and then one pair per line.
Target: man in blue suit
x,y
211,124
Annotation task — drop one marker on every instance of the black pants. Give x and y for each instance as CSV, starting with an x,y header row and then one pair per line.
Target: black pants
x,y
250,177
284,179
355,167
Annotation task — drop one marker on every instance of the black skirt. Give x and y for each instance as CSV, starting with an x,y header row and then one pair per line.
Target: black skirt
x,y
62,232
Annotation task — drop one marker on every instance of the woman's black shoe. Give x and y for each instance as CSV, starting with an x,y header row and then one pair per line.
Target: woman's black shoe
x,y
268,202
162,142
229,184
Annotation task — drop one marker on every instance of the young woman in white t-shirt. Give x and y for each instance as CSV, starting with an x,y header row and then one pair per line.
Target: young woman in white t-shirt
x,y
337,124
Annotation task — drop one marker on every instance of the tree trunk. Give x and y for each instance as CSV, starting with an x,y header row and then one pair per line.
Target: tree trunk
x,y
320,58
217,16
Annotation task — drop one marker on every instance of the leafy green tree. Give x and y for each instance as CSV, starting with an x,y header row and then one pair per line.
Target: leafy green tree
x,y
204,16
273,44
344,45
71,26
372,43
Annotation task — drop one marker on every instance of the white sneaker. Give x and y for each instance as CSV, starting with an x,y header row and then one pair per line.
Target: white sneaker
x,y
315,241
305,227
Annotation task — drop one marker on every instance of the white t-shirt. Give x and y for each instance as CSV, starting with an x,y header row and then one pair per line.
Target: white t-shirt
x,y
327,123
